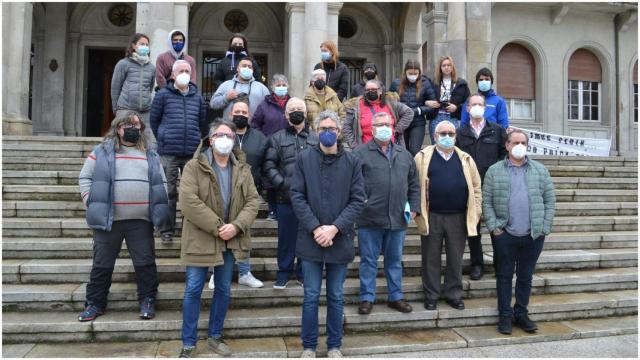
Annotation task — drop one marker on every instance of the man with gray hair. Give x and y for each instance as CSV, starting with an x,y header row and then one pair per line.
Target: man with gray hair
x,y
450,209
319,97
178,121
393,190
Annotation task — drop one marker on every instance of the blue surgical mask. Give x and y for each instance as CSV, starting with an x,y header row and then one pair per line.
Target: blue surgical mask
x,y
326,55
246,73
484,85
446,141
383,133
280,91
328,138
143,50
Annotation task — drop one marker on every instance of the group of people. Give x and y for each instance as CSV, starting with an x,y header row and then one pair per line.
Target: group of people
x,y
326,163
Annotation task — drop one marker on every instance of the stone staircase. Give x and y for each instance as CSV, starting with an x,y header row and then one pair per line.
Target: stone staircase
x,y
586,279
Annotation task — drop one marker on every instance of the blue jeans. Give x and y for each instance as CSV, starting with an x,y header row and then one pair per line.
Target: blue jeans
x,y
195,277
244,267
520,253
370,242
335,274
287,236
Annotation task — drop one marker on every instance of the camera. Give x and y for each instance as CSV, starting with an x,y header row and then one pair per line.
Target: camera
x,y
443,104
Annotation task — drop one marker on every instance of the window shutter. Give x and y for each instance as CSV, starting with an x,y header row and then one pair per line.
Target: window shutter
x,y
516,73
585,66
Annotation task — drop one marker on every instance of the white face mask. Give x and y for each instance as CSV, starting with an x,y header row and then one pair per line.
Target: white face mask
x,y
476,111
412,78
183,79
223,145
519,151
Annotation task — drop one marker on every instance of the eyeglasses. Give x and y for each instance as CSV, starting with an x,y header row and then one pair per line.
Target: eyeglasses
x,y
221,134
328,128
381,125
450,134
129,126
376,89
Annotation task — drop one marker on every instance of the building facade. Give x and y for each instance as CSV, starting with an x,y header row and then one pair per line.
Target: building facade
x,y
565,68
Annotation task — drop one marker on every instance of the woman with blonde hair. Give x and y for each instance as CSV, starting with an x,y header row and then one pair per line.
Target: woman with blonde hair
x,y
337,72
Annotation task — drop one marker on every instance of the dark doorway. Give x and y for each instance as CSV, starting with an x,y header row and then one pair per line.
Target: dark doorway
x,y
355,71
101,63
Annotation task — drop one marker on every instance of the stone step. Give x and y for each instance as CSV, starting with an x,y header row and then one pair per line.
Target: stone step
x,y
266,246
50,139
354,345
41,271
122,296
586,160
77,227
589,195
593,183
593,171
282,321
37,164
47,150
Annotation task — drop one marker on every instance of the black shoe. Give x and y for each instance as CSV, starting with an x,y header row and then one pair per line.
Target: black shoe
x,y
525,323
167,237
272,216
504,325
430,304
187,352
476,272
457,304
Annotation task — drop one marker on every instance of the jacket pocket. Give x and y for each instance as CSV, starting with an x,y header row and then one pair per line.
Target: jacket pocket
x,y
197,242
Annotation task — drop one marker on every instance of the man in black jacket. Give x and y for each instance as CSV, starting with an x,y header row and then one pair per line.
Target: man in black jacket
x,y
484,141
279,164
391,183
327,194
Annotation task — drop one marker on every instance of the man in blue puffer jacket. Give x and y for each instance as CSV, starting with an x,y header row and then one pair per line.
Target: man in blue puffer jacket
x,y
178,120
495,109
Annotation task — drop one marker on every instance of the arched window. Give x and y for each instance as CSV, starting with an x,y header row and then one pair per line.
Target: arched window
x,y
517,81
585,86
635,92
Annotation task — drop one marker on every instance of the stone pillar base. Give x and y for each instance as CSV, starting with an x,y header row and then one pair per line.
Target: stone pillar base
x,y
15,126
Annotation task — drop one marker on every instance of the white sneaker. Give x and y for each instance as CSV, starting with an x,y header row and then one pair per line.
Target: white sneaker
x,y
250,281
308,353
212,285
334,353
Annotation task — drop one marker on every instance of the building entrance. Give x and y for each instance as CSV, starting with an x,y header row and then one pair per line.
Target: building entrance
x,y
101,63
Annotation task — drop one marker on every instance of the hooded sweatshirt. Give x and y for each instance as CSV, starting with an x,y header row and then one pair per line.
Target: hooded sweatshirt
x,y
164,61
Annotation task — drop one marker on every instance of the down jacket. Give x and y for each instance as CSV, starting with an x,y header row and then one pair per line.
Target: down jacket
x,y
131,85
100,208
327,189
178,121
269,117
203,210
414,100
542,197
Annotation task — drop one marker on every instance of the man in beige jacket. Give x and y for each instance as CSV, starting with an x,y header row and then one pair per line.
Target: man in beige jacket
x,y
320,97
219,204
450,208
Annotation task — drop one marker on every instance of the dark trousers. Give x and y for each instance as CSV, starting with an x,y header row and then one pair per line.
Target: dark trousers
x,y
414,137
287,235
475,248
106,246
171,165
452,228
272,195
520,253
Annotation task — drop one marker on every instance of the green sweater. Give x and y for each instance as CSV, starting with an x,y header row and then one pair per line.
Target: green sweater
x,y
542,197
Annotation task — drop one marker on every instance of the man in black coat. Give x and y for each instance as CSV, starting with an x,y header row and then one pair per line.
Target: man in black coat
x,y
391,184
327,194
484,141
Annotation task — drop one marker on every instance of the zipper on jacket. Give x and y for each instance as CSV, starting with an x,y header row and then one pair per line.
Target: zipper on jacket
x,y
140,87
389,173
184,111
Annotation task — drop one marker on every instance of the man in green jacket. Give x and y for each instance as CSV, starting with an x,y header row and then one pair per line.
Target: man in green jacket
x,y
518,207
219,204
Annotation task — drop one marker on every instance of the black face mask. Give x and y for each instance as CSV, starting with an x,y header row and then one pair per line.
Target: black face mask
x,y
369,75
131,135
319,84
240,121
296,117
237,48
371,95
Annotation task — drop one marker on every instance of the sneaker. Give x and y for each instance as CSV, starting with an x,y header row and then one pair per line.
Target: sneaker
x,y
212,285
525,323
187,351
272,216
280,284
249,280
91,312
300,282
147,309
167,237
504,325
219,346
334,353
308,353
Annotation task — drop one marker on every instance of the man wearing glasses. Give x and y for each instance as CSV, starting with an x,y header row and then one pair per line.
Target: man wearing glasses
x,y
450,208
391,183
327,194
219,203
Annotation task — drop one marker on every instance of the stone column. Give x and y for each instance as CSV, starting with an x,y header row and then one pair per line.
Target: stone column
x,y
388,65
478,40
295,51
70,126
53,80
435,28
457,37
315,32
156,19
17,20
333,11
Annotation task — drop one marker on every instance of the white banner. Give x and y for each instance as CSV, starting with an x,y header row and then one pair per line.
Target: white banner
x,y
551,144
